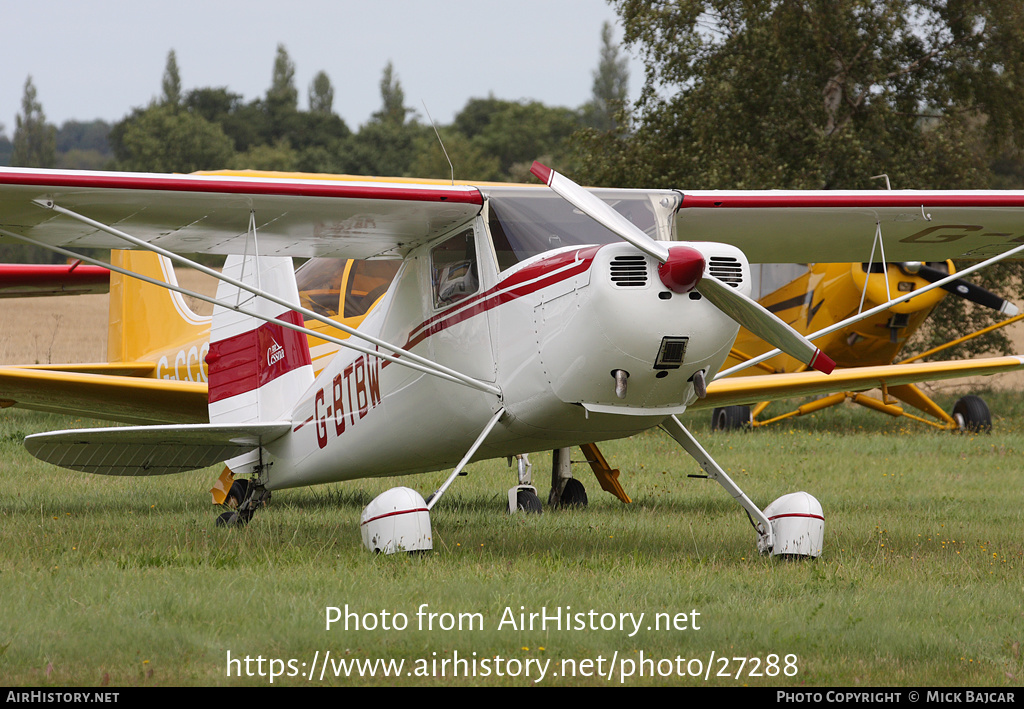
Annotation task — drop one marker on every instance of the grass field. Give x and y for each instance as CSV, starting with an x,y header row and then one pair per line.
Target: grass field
x,y
128,582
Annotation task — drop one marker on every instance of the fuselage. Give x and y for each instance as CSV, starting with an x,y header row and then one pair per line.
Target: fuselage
x,y
540,302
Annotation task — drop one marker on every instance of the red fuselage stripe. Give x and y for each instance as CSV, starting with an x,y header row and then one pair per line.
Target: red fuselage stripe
x,y
542,274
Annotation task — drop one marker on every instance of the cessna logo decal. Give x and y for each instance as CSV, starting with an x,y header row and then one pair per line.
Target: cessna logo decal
x,y
253,358
275,353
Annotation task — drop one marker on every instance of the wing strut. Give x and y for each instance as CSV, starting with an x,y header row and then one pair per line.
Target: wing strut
x,y
427,366
678,431
433,369
877,309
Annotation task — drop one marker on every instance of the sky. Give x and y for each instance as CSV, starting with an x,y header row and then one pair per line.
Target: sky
x,y
101,58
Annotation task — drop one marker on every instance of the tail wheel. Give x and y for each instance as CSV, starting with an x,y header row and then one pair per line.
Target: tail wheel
x,y
971,414
237,494
730,418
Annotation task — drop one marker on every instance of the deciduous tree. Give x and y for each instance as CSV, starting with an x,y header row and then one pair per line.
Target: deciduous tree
x,y
35,140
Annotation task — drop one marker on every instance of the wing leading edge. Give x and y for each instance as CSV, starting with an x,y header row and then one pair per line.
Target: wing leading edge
x,y
819,226
210,213
350,217
770,387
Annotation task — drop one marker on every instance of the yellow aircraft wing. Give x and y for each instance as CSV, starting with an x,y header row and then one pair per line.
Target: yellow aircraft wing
x,y
768,387
111,397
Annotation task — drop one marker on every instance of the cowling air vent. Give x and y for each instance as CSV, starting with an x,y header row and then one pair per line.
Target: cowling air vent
x,y
726,269
629,271
671,352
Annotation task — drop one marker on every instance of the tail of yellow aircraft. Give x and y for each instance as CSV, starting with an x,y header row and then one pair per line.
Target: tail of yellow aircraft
x,y
149,323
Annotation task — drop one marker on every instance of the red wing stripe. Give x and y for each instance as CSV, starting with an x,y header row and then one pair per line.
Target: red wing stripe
x,y
856,201
219,185
796,514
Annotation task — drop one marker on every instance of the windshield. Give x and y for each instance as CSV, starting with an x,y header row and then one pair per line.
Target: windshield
x,y
320,282
530,222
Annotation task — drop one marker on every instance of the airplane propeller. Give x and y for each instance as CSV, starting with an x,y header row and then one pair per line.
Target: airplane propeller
x,y
682,270
962,288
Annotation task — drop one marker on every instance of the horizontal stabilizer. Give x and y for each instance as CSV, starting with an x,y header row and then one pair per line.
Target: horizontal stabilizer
x,y
109,392
150,450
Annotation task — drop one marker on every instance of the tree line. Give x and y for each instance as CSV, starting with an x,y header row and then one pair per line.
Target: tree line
x,y
210,128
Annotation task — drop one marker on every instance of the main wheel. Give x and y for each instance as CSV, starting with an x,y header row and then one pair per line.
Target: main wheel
x,y
528,502
237,494
574,494
730,418
972,414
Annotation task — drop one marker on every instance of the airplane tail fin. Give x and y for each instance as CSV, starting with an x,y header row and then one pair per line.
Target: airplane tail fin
x,y
149,323
257,370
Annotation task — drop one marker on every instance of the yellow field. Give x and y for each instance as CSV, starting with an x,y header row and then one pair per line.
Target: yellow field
x,y
63,329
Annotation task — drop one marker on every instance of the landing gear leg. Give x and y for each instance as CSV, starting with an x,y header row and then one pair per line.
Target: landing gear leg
x,y
523,497
246,495
796,526
249,496
566,491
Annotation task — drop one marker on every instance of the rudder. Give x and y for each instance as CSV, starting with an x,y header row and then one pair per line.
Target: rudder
x,y
149,323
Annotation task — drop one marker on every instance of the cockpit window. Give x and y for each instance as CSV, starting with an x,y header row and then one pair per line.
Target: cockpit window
x,y
367,281
526,224
453,269
321,280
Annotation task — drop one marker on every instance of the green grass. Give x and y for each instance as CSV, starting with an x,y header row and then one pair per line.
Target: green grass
x,y
129,582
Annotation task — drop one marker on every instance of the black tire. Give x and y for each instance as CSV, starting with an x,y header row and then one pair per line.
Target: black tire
x,y
972,415
228,519
237,494
730,418
528,502
574,494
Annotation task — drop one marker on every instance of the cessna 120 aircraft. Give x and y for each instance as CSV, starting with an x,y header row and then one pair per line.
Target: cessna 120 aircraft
x,y
520,319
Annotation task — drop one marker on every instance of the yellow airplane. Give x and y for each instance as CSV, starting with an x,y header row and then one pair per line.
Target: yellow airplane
x,y
810,297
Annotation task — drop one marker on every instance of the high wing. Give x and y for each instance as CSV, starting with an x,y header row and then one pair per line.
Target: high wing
x,y
351,217
778,226
770,387
345,218
21,280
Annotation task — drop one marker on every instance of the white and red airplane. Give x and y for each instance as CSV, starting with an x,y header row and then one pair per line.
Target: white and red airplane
x,y
521,319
